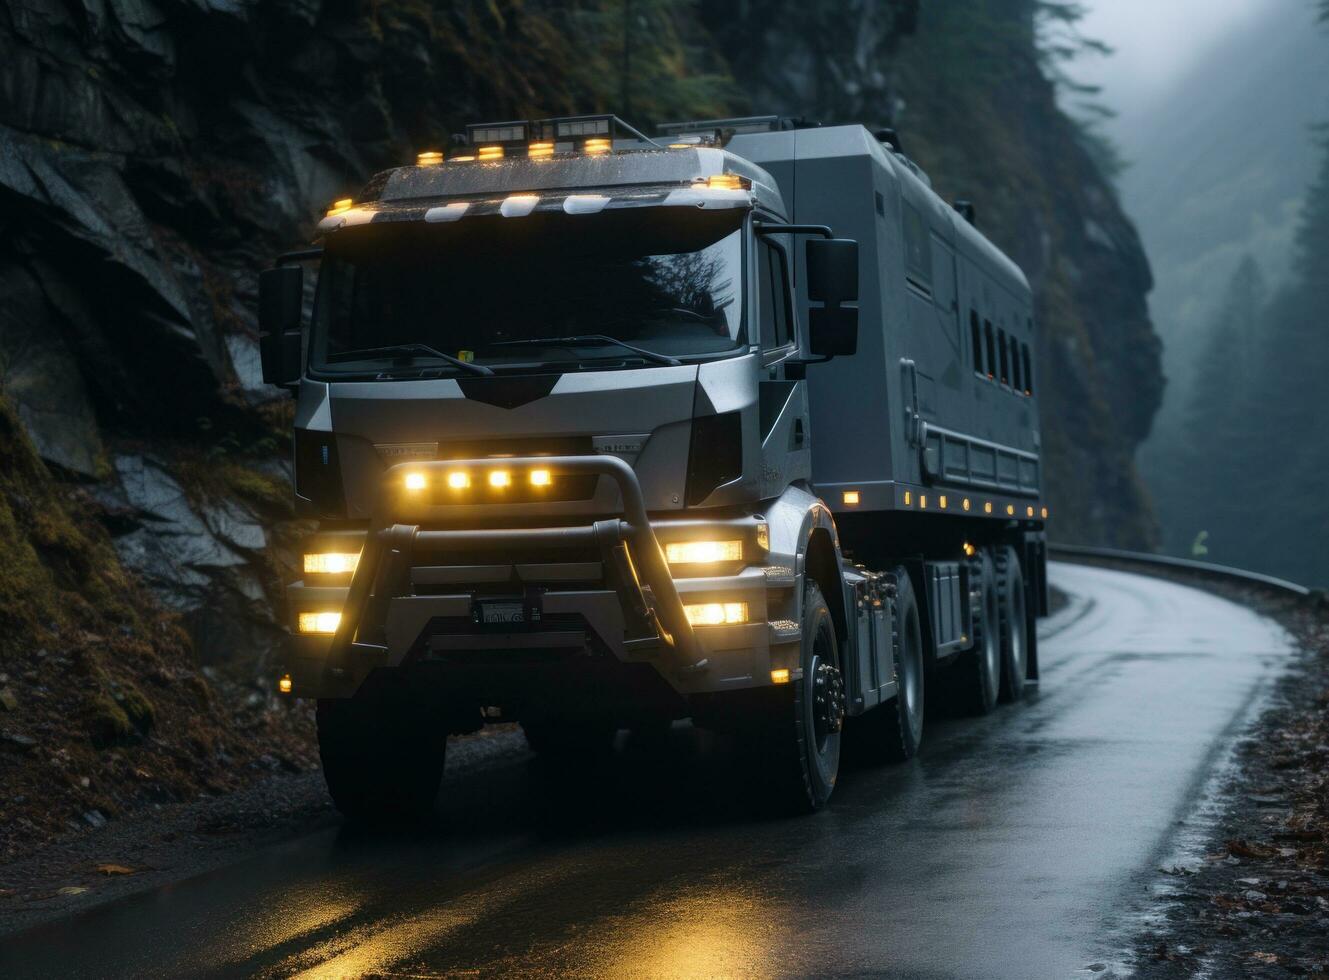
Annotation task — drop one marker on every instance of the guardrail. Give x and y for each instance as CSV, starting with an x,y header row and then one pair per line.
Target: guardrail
x,y
1200,568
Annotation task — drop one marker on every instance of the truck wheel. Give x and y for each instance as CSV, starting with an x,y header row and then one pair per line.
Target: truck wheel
x,y
801,739
902,717
565,739
978,674
1014,642
382,760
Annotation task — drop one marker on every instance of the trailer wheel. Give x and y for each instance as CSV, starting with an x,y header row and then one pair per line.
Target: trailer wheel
x,y
564,738
1014,623
382,759
902,717
978,674
800,740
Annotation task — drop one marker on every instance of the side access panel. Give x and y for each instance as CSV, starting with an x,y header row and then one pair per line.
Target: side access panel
x,y
872,659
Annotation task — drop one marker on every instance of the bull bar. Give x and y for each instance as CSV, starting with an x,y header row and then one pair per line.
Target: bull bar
x,y
383,571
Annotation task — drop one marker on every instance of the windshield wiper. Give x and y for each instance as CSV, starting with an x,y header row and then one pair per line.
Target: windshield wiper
x,y
589,338
410,350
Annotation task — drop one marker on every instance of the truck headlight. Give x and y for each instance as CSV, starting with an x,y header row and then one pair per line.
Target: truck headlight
x,y
717,613
332,563
702,552
324,623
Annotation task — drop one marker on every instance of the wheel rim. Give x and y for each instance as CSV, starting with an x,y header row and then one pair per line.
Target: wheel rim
x,y
1015,619
909,667
828,700
992,641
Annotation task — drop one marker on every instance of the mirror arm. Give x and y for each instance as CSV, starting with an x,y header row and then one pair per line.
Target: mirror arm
x,y
301,255
778,228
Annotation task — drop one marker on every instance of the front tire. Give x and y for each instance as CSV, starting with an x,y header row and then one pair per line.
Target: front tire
x,y
382,759
801,738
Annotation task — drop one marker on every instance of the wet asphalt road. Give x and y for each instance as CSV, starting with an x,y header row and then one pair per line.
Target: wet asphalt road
x,y
1018,845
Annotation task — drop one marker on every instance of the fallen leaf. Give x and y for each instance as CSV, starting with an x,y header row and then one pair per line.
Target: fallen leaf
x,y
72,890
1264,957
114,869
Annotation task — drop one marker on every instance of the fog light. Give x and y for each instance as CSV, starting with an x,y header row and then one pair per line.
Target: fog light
x,y
459,480
318,622
702,552
415,481
331,564
717,613
540,478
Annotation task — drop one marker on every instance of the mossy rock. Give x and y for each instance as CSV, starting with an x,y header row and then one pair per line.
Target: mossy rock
x,y
120,718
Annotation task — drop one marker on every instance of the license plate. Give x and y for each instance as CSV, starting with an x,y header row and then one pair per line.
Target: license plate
x,y
501,613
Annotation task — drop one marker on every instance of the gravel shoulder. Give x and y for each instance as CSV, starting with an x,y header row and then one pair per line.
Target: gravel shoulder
x,y
170,843
1255,902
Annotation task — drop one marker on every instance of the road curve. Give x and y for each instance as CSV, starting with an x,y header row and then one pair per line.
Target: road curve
x,y
1015,846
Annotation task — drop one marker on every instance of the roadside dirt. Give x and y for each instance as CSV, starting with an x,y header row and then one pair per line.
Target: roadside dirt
x,y
1257,904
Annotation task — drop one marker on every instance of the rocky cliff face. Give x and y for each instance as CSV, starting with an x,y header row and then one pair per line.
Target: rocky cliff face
x,y
154,154
967,88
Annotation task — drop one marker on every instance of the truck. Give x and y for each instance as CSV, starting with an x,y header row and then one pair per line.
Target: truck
x,y
602,431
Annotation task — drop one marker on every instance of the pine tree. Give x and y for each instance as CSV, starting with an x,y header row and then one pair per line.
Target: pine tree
x,y
1213,454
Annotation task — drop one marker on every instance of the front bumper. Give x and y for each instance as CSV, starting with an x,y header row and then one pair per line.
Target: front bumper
x,y
600,594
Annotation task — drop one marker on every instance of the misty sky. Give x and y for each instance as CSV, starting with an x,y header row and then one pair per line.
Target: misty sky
x,y
1156,42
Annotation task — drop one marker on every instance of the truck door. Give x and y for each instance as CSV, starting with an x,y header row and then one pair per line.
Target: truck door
x,y
785,436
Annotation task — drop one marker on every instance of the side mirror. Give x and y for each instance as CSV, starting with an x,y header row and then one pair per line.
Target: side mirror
x,y
832,280
280,306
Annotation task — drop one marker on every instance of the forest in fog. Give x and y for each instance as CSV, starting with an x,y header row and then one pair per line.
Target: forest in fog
x,y
1240,456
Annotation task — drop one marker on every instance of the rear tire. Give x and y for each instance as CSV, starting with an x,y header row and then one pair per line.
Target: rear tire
x,y
1014,620
800,740
978,674
382,759
902,716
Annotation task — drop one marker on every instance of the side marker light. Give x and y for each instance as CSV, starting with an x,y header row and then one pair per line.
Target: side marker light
x,y
415,481
324,623
852,497
541,478
500,478
429,158
284,685
459,480
780,676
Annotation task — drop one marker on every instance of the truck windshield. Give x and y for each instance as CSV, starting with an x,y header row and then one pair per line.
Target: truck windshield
x,y
544,290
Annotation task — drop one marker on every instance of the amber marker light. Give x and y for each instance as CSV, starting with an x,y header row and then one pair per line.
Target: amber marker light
x,y
541,478
415,481
429,158
942,501
1010,510
335,563
490,153
284,685
965,503
908,498
1045,513
597,145
922,501
970,550
459,480
464,158
540,151
780,675
500,479
725,182
987,507
717,613
852,497
1030,511
702,552
340,207
318,623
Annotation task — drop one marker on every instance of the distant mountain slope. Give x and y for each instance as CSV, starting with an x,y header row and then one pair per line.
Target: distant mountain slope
x,y
1219,170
